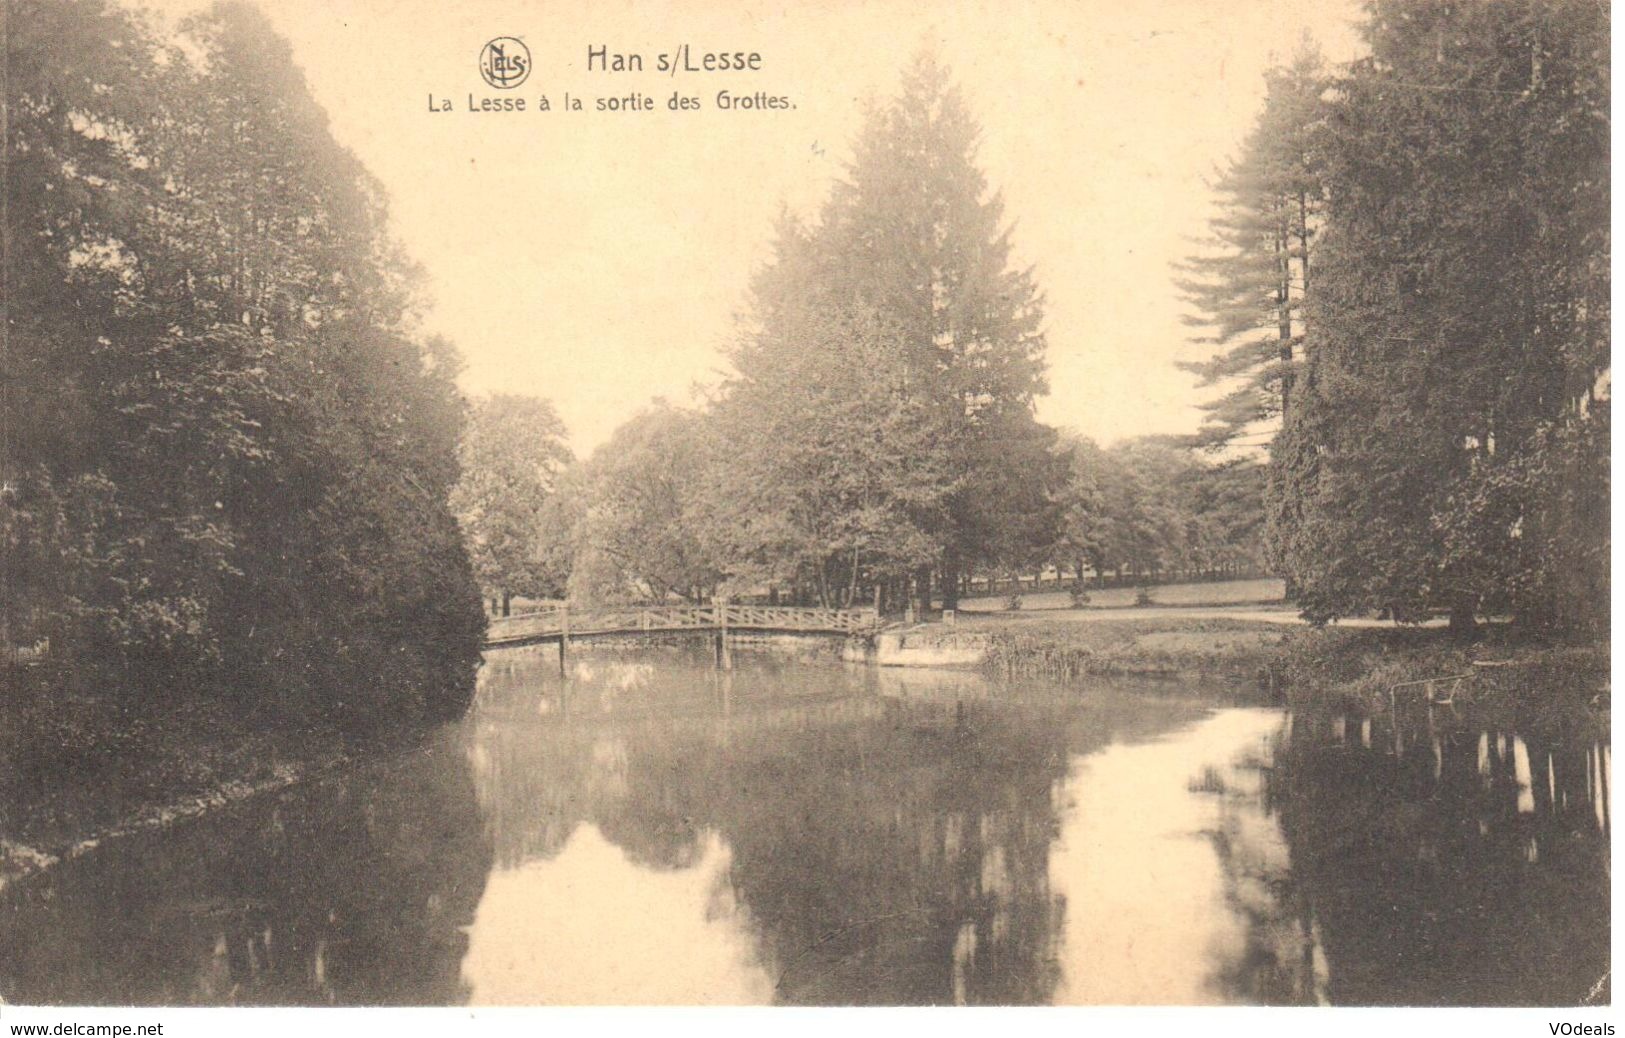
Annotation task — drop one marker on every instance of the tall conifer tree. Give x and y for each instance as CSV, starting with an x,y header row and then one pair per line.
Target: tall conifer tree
x,y
916,235
1247,288
1458,324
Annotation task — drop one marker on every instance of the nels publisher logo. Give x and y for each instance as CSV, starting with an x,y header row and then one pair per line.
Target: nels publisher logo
x,y
505,62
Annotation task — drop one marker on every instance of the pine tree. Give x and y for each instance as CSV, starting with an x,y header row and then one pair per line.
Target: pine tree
x,y
1247,288
915,235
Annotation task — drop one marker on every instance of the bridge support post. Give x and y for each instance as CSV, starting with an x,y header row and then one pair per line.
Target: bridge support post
x,y
720,606
564,640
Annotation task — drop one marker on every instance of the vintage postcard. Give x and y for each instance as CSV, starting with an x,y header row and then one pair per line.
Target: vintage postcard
x,y
851,504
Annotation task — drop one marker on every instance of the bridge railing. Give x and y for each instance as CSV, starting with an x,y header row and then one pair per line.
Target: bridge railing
x,y
566,622
796,618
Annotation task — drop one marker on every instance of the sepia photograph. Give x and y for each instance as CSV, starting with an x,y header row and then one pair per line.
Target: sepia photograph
x,y
871,503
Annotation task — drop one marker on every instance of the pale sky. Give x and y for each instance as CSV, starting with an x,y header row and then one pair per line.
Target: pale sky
x,y
598,259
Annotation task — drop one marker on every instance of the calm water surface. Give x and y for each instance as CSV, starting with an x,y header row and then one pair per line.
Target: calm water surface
x,y
653,830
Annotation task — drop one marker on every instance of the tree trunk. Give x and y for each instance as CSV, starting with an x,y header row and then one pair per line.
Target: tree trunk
x,y
922,583
852,583
1283,303
507,601
1303,246
1463,624
950,581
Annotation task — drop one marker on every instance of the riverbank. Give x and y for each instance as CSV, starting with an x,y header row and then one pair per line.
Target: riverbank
x,y
1269,591
1504,675
78,768
1370,666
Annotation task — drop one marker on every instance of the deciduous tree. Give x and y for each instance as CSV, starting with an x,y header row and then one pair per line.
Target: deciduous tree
x,y
511,454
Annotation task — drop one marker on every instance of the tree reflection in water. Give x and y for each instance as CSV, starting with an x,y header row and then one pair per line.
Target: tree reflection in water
x,y
1447,862
352,892
653,829
899,845
889,833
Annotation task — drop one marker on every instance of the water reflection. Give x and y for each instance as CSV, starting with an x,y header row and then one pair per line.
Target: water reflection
x,y
651,829
1173,896
347,892
1449,862
613,932
888,836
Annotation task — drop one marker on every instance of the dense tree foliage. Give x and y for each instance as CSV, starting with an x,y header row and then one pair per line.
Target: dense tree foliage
x,y
227,455
849,478
1156,511
876,436
512,453
876,440
899,352
637,518
1448,446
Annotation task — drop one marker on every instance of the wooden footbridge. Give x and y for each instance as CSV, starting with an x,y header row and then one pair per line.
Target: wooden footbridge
x,y
564,624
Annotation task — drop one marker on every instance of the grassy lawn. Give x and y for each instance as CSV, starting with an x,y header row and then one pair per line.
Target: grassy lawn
x,y
1220,593
1055,645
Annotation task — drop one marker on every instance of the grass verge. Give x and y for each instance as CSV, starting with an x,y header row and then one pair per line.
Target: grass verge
x,y
1209,646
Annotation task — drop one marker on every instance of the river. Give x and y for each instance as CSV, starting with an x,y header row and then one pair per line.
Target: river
x,y
794,830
